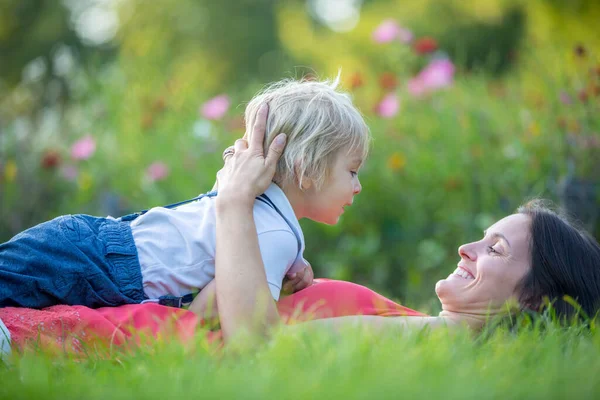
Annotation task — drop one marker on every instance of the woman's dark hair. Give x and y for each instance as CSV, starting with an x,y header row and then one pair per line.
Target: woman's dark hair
x,y
565,265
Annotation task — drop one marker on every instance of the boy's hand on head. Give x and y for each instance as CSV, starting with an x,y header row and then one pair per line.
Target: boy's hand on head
x,y
299,280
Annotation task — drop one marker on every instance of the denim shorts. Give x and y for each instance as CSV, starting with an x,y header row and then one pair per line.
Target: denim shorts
x,y
74,260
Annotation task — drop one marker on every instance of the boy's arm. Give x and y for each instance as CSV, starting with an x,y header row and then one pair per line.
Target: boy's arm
x,y
205,303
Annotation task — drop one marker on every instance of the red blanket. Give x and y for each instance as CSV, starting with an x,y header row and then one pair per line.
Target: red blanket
x,y
69,326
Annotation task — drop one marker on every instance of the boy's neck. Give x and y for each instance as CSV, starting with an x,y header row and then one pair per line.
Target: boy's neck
x,y
296,198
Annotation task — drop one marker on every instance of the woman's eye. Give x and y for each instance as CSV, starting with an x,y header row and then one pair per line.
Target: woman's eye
x,y
491,249
353,173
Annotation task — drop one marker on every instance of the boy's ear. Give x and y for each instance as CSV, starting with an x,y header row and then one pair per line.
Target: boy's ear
x,y
307,183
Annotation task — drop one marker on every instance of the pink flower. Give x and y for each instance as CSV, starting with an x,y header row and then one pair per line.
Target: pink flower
x,y
437,75
84,148
390,30
389,106
215,108
157,171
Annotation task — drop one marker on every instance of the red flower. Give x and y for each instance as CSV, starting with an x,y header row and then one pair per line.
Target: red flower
x,y
583,96
51,159
425,45
356,80
388,81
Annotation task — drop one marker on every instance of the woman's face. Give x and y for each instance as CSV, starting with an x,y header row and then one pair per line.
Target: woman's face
x,y
489,270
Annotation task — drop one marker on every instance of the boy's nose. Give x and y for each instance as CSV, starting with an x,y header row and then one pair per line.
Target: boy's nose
x,y
357,187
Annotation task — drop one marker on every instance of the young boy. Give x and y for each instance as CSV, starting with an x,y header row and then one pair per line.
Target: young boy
x,y
165,254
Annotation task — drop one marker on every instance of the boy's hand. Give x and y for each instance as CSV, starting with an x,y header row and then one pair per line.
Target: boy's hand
x,y
299,280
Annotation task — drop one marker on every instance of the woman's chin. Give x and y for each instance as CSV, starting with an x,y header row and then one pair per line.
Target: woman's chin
x,y
452,287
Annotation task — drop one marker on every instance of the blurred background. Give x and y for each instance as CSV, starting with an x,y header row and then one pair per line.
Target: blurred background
x,y
111,106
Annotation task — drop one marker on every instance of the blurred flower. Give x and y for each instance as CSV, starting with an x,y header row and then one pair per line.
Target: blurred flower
x,y
215,108
356,80
583,96
157,171
425,45
565,98
10,171
388,81
453,183
389,106
580,50
396,162
438,74
69,172
51,159
405,36
534,129
159,104
387,31
562,123
416,87
84,148
596,90
147,120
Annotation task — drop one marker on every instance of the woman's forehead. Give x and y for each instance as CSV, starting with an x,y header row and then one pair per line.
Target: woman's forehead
x,y
515,228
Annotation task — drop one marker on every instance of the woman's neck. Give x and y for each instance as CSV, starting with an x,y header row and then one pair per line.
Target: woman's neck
x,y
473,321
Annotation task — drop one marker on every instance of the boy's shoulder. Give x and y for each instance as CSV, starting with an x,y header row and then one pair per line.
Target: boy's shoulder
x,y
267,218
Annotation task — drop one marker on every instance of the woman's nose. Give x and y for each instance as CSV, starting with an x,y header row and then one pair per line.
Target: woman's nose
x,y
467,251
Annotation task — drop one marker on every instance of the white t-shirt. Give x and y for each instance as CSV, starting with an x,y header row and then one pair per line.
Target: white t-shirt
x,y
176,247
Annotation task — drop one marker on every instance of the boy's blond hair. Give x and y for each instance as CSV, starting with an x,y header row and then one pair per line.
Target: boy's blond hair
x,y
319,121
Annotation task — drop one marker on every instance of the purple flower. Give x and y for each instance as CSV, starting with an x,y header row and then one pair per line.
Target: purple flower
x,y
215,108
84,148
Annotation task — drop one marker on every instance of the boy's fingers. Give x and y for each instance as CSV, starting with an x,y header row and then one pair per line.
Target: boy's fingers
x,y
260,124
275,150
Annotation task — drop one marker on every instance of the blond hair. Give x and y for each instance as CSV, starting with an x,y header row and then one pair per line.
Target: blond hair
x,y
319,121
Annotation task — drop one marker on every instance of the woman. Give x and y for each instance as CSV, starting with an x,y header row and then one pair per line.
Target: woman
x,y
523,260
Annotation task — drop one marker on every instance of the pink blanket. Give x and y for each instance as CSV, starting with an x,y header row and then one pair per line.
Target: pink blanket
x,y
68,326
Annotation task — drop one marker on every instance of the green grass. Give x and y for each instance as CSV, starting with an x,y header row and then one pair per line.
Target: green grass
x,y
533,363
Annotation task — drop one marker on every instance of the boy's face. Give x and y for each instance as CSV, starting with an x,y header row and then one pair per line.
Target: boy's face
x,y
327,204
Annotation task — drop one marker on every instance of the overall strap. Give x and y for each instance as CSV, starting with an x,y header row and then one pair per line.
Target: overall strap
x,y
265,199
132,216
